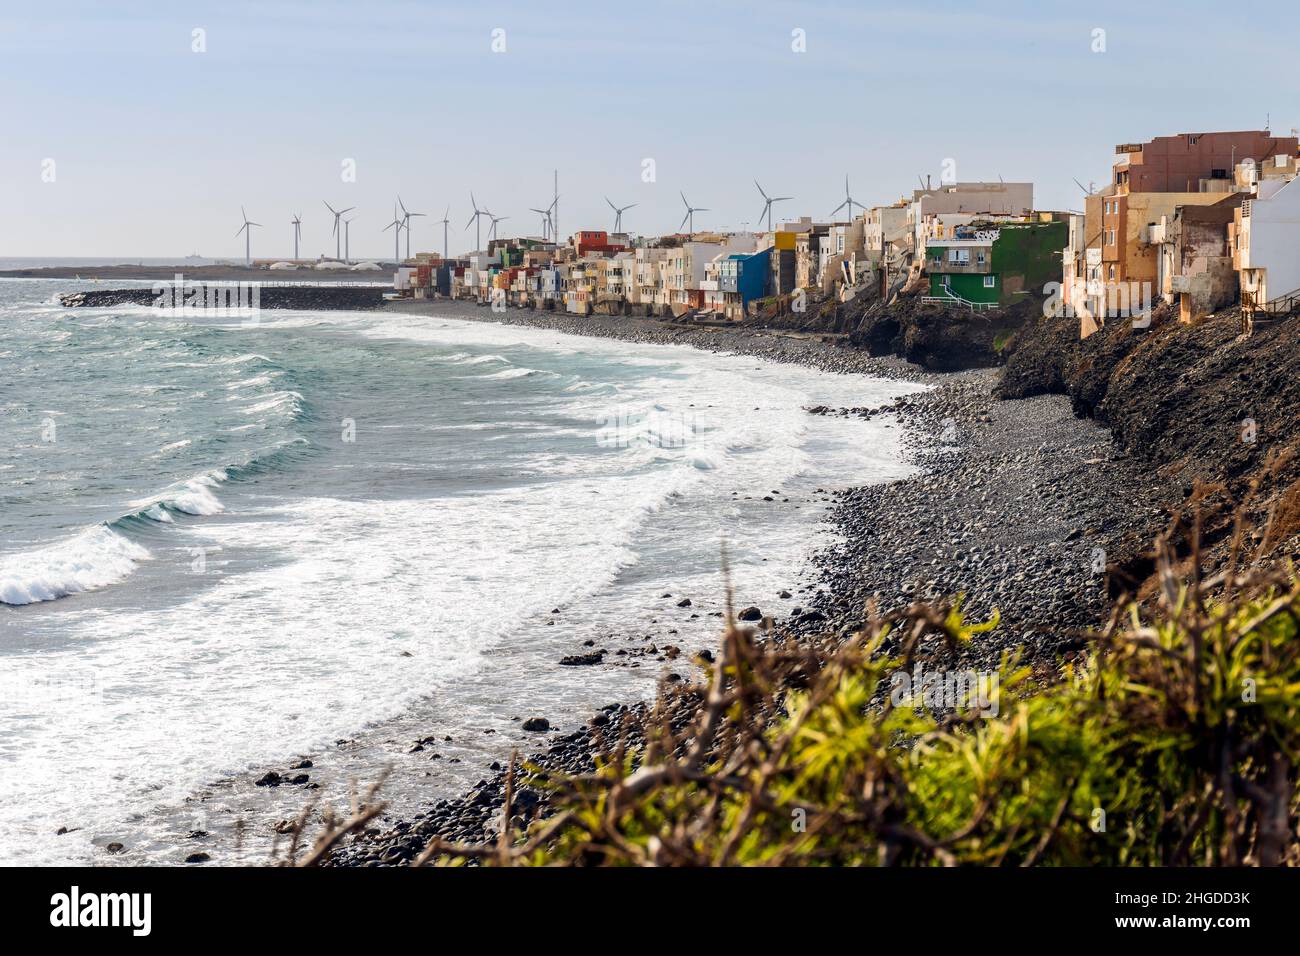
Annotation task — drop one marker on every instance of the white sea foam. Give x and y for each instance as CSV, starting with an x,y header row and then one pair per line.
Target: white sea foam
x,y
191,497
518,372
95,558
451,579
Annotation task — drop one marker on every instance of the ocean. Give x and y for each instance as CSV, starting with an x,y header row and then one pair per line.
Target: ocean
x,y
229,541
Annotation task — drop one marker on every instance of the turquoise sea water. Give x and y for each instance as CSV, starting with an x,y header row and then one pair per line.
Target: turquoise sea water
x,y
227,540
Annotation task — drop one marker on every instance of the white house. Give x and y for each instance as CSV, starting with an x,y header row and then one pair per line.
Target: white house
x,y
1267,239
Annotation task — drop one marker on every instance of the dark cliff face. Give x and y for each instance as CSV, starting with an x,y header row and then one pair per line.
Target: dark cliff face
x,y
1213,414
938,338
1199,398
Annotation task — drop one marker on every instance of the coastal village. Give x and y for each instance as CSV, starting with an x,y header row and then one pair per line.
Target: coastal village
x,y
1198,221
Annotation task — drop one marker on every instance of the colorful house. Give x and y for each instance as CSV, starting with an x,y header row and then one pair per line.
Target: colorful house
x,y
993,264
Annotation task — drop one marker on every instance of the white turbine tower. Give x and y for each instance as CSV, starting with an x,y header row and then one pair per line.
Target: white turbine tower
x,y
336,233
406,223
767,205
248,234
397,236
297,232
690,214
347,240
618,214
474,221
546,221
445,220
848,201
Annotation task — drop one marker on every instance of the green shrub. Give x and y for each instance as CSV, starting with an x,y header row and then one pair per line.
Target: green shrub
x,y
1172,743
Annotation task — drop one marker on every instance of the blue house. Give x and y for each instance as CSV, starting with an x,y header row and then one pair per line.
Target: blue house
x,y
742,278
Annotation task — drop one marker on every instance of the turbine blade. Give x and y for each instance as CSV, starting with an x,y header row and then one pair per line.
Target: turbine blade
x,y
760,189
684,218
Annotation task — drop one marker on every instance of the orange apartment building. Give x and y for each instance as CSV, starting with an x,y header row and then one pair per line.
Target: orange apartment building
x,y
1153,179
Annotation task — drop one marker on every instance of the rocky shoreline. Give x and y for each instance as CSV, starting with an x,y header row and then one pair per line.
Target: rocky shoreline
x,y
1020,506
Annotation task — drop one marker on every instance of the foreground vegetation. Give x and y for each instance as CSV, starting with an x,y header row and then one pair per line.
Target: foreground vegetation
x,y
1172,742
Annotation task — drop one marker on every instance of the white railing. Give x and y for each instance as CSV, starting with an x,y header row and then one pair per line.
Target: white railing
x,y
953,299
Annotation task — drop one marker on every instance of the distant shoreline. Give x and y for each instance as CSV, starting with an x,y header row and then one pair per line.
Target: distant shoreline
x,y
211,273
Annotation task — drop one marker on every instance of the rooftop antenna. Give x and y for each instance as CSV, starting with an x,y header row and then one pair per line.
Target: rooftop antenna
x,y
690,214
397,236
474,221
618,214
767,205
297,232
445,220
248,233
335,231
406,222
848,201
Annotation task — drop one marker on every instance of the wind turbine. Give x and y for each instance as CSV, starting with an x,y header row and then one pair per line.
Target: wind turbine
x,y
248,234
406,221
297,232
767,205
335,232
474,221
347,243
445,220
492,234
848,201
690,214
397,236
618,214
1088,189
546,220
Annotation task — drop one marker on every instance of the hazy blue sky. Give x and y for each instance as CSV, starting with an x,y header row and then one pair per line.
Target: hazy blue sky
x,y
155,146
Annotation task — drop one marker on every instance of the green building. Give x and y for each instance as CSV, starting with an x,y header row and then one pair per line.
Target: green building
x,y
994,264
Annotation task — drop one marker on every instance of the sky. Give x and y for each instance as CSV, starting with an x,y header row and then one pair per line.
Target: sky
x,y
127,133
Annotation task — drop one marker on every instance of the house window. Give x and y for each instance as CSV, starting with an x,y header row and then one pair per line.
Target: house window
x,y
990,282
979,257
